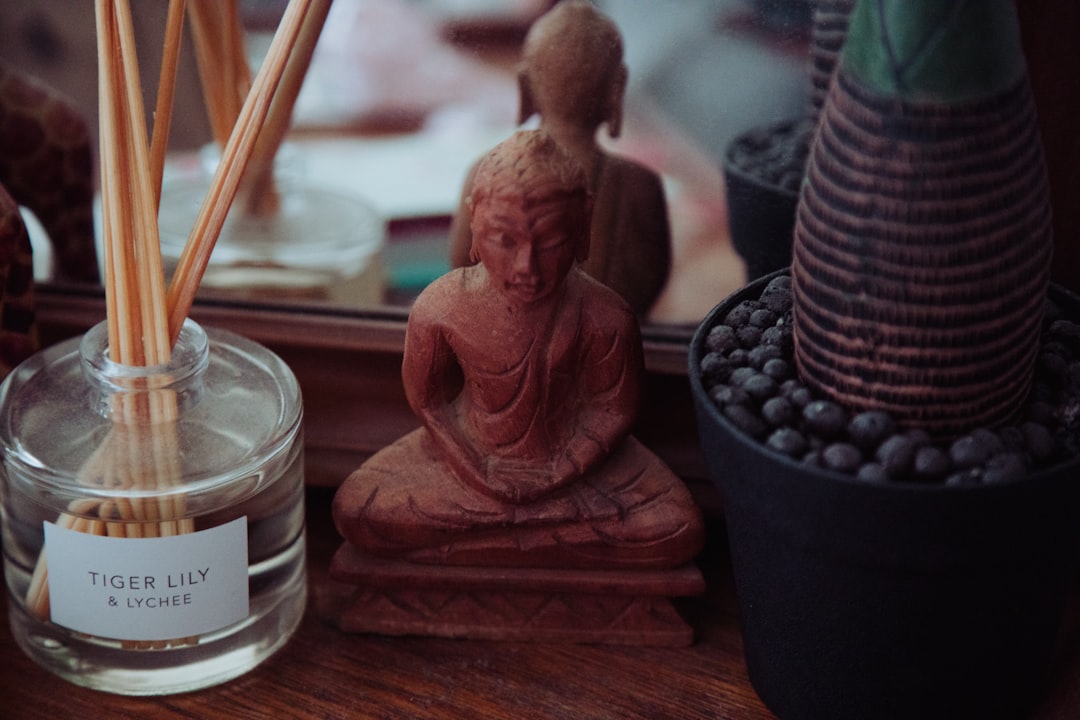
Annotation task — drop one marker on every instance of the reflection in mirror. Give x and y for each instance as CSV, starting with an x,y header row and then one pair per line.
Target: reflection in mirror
x,y
403,95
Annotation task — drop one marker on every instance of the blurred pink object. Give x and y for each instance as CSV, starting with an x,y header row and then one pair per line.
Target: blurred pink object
x,y
385,61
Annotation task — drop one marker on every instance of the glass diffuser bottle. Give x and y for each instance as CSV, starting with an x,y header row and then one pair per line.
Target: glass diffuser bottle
x,y
153,517
304,243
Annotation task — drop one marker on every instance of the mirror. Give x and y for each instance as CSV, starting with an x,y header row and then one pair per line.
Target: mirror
x,y
403,95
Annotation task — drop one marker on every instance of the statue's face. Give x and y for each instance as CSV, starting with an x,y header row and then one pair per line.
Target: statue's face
x,y
527,252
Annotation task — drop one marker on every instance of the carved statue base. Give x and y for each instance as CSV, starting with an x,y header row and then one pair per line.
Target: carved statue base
x,y
616,607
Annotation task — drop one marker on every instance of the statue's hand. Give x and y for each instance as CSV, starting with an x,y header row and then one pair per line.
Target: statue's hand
x,y
519,481
578,458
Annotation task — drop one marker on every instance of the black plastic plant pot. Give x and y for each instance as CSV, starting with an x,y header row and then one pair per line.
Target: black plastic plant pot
x,y
761,168
888,600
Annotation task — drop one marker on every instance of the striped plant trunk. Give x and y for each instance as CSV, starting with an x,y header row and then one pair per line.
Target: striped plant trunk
x,y
922,244
827,32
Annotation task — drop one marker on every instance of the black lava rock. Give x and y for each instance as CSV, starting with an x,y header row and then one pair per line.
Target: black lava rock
x,y
749,371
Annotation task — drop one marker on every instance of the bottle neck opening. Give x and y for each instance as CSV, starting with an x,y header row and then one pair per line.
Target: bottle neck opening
x,y
132,392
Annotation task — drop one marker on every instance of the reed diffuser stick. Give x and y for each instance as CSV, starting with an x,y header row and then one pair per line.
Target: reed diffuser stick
x,y
224,72
260,194
144,242
116,212
226,180
170,57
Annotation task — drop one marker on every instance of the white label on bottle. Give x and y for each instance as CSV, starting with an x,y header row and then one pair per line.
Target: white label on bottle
x,y
148,588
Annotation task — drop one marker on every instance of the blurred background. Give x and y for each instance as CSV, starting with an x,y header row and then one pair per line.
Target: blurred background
x,y
403,95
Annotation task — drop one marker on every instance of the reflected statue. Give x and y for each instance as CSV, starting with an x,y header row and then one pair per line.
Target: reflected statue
x,y
18,330
525,373
46,165
573,76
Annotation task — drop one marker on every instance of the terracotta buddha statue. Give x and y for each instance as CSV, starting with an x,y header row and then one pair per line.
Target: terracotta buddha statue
x,y
526,375
573,77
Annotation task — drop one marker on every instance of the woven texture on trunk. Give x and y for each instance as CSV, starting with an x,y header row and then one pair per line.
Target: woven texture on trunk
x,y
921,256
827,33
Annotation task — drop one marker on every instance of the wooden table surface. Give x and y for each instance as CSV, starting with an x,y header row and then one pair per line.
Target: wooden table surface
x,y
323,673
